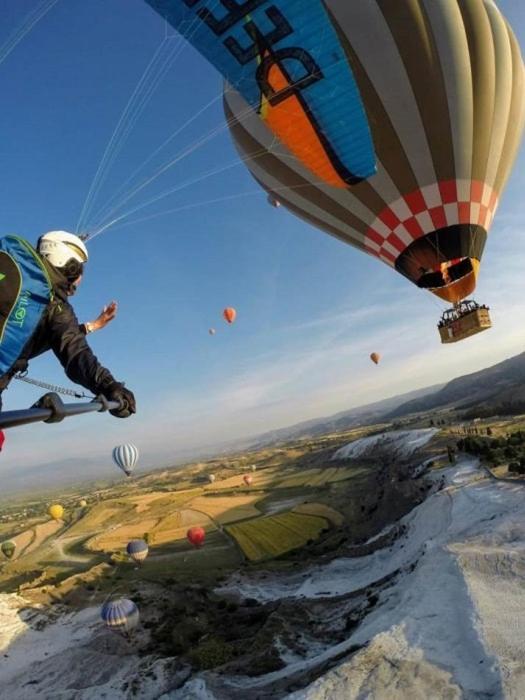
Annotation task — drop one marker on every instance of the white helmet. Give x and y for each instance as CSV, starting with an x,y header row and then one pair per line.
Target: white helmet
x,y
63,250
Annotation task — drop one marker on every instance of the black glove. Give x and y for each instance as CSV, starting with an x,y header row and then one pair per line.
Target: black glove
x,y
118,392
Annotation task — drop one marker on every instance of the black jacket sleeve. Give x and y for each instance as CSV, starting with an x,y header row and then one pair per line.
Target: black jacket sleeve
x,y
69,344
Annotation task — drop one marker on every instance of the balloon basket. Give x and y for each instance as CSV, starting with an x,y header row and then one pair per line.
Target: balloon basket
x,y
465,319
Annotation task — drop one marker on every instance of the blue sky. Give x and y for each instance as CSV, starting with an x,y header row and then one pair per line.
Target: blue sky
x,y
310,310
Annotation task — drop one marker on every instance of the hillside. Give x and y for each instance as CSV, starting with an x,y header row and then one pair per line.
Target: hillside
x,y
496,389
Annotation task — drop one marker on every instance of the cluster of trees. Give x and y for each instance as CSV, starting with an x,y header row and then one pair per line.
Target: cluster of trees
x,y
509,449
442,421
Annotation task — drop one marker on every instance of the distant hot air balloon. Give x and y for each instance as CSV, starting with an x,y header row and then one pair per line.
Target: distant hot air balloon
x,y
82,503
126,457
2,439
8,549
443,89
375,357
248,479
121,615
229,314
196,536
211,331
254,467
56,511
211,478
137,550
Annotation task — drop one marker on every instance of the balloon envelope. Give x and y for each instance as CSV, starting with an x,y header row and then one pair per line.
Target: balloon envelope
x,y
443,87
56,511
126,457
211,331
137,550
248,480
8,549
229,314
120,615
375,357
82,503
211,478
196,536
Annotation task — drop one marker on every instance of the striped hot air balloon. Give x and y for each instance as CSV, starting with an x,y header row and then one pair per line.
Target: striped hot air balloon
x,y
137,550
121,615
126,457
442,83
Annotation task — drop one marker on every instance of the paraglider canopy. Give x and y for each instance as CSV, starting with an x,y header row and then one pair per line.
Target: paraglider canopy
x,y
196,536
229,314
126,457
56,511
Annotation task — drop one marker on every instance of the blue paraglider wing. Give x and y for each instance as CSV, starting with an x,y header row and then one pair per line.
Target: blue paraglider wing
x,y
286,60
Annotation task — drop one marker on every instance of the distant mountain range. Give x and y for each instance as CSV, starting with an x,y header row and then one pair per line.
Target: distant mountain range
x,y
344,420
499,389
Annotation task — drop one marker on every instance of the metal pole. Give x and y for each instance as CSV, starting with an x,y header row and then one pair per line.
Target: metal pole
x,y
13,419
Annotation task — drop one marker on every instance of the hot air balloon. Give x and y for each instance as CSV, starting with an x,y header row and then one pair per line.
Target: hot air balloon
x,y
196,536
126,457
82,503
211,331
248,479
8,549
229,314
254,467
2,439
375,357
211,478
442,84
56,511
137,550
121,615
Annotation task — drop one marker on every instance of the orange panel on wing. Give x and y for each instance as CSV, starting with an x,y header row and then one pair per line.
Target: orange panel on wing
x,y
290,121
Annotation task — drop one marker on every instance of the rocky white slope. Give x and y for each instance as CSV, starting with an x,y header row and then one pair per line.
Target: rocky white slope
x,y
449,623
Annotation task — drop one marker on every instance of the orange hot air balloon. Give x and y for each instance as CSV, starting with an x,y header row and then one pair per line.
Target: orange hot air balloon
x,y
229,314
375,357
196,536
248,480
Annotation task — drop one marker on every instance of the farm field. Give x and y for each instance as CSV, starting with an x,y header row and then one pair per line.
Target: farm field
x,y
272,535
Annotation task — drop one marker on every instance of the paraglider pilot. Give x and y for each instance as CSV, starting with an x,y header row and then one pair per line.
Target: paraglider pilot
x,y
36,315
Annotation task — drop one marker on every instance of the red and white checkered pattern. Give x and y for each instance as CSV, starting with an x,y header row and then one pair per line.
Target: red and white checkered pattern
x,y
428,209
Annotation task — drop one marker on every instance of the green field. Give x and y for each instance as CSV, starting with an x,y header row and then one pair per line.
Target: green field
x,y
270,536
